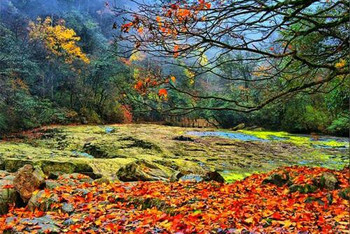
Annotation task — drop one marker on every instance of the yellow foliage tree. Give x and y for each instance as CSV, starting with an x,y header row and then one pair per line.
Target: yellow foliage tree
x,y
58,39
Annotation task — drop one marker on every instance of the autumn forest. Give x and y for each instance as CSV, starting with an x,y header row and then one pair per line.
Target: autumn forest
x,y
174,116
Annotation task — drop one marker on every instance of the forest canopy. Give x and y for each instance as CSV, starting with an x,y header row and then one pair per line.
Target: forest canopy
x,y
276,64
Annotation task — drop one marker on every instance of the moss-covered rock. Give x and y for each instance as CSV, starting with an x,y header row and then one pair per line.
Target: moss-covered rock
x,y
143,170
277,179
155,143
42,200
8,195
50,167
307,188
176,176
327,181
102,180
2,164
56,166
14,164
345,193
95,151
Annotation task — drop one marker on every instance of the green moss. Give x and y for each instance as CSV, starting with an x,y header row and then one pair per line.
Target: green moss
x,y
297,140
57,166
232,176
13,164
265,134
155,143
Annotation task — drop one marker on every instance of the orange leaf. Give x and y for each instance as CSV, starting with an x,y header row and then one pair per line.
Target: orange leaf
x,y
163,92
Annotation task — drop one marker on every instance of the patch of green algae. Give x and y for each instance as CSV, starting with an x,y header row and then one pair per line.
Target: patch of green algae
x,y
94,148
234,176
297,140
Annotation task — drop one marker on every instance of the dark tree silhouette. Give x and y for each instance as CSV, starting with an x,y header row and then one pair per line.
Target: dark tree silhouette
x,y
285,47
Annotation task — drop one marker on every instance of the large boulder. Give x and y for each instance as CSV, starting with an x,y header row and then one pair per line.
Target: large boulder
x,y
50,167
53,168
143,170
14,164
27,180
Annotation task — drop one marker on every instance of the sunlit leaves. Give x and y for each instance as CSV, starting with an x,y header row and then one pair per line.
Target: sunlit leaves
x,y
58,39
163,93
126,27
340,64
137,56
176,51
186,207
191,76
203,60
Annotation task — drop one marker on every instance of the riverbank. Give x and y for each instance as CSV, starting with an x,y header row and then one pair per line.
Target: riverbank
x,y
103,150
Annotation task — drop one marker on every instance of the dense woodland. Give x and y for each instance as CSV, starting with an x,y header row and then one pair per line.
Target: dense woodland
x,y
43,83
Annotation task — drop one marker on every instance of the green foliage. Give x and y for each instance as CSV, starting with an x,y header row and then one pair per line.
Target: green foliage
x,y
37,91
340,125
90,115
39,88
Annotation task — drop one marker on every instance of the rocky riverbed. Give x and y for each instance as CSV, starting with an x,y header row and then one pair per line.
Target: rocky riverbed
x,y
104,151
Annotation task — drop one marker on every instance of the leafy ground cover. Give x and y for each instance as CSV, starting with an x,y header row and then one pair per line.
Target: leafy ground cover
x,y
286,200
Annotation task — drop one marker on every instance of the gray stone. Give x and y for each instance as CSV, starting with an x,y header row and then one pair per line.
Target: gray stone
x,y
67,208
192,178
209,176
